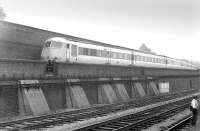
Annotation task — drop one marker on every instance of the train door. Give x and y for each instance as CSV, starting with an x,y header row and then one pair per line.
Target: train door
x,y
74,51
67,46
166,61
132,59
109,56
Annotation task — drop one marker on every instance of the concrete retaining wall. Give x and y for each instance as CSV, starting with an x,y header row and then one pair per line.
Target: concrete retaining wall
x,y
91,92
178,84
55,96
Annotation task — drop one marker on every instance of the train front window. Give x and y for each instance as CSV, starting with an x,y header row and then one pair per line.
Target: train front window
x,y
56,44
47,44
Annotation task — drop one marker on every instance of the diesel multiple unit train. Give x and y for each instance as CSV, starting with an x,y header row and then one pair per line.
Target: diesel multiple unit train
x,y
62,50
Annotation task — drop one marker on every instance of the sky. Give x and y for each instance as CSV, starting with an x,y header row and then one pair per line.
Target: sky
x,y
168,27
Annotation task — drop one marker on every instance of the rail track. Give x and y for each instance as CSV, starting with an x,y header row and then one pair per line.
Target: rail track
x,y
183,125
141,120
54,119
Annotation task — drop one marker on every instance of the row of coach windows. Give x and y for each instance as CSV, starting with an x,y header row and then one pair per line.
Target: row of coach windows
x,y
92,52
173,62
117,55
149,59
103,53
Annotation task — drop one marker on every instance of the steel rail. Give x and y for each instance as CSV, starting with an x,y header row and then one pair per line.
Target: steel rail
x,y
133,121
178,124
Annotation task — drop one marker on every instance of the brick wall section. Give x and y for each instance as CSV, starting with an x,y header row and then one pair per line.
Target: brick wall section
x,y
21,70
8,102
13,50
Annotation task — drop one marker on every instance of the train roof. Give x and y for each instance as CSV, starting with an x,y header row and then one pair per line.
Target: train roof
x,y
60,39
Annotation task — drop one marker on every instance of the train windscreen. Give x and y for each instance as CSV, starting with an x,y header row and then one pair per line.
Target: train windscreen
x,y
57,44
47,44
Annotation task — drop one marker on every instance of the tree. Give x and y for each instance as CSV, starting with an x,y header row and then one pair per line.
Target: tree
x,y
2,13
144,48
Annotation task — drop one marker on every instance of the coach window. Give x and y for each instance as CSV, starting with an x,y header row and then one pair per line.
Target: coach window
x,y
145,58
157,60
127,56
111,54
103,53
150,59
120,55
80,51
93,52
161,61
123,55
154,60
98,53
130,57
115,55
141,58
85,51
138,58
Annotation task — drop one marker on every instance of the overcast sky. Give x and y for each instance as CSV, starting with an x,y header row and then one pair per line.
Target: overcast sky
x,y
168,27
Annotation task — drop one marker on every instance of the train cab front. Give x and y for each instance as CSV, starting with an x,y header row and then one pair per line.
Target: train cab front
x,y
54,49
